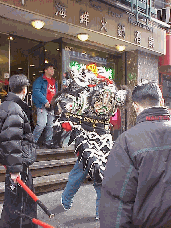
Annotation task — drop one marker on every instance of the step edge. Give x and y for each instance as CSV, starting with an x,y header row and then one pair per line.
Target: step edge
x,y
41,166
57,180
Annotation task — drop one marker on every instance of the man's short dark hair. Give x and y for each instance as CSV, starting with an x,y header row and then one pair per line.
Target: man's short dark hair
x,y
18,82
147,94
47,65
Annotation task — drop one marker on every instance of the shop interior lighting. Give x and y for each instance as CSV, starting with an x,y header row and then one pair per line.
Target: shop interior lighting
x,y
120,48
38,24
32,65
19,68
57,49
46,61
83,36
10,38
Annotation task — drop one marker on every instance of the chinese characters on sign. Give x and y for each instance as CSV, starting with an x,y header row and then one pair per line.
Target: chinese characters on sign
x,y
84,18
61,10
137,38
121,30
150,42
87,57
103,24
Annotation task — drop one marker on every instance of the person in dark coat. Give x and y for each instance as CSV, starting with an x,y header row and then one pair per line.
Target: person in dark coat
x,y
17,153
136,189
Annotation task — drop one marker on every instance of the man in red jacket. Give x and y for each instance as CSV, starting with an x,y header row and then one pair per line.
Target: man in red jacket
x,y
136,189
44,88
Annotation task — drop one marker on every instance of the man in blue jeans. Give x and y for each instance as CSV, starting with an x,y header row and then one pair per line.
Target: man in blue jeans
x,y
75,179
78,175
44,88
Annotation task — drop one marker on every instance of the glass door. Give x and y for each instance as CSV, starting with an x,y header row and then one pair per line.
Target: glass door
x,y
53,54
4,65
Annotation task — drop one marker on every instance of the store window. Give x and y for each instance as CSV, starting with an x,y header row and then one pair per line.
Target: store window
x,y
100,63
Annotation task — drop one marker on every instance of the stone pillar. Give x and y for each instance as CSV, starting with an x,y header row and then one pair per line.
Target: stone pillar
x,y
132,74
141,66
147,67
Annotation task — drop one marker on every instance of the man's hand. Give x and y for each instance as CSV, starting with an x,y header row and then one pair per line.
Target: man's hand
x,y
14,176
47,105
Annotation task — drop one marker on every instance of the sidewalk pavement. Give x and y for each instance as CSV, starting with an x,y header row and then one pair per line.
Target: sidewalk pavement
x,y
81,215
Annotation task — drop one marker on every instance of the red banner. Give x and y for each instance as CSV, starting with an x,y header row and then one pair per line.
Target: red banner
x,y
165,60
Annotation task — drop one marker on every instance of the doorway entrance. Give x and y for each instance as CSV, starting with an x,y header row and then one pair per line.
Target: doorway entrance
x,y
19,55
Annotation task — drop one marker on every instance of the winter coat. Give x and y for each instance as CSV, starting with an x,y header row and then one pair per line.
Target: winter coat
x,y
136,189
40,92
16,139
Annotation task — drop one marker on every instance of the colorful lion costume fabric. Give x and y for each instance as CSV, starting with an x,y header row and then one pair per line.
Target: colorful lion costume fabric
x,y
85,105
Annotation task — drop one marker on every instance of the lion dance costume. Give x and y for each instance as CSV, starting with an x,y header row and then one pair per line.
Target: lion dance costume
x,y
86,104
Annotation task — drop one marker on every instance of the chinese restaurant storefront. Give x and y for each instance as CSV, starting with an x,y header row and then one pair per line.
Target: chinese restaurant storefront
x,y
24,49
19,55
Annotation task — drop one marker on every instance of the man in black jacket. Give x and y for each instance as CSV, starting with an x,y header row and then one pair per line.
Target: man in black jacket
x,y
136,189
17,153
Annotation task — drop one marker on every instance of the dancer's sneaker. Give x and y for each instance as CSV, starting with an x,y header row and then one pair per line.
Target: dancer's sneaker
x,y
97,217
49,146
66,207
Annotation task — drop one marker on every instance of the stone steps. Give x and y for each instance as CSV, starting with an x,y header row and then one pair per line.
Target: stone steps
x,y
43,184
43,180
55,154
50,171
41,168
